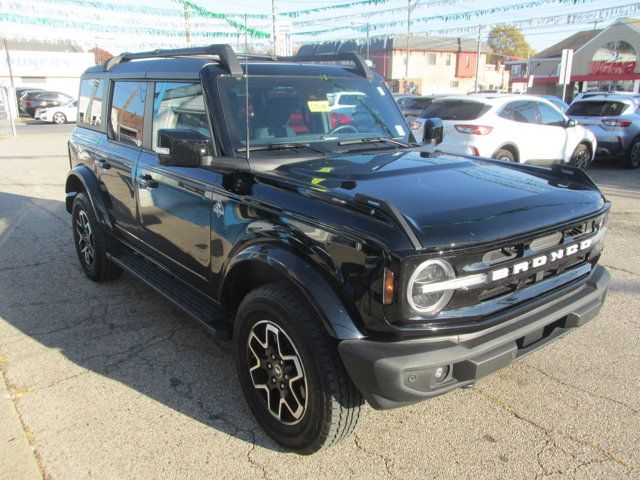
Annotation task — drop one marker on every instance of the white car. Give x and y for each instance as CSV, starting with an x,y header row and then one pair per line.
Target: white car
x,y
63,114
516,128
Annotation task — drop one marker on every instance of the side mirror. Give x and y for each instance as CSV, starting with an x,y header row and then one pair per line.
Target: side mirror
x,y
570,123
181,147
433,131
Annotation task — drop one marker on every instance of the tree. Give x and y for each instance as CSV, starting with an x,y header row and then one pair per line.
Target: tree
x,y
100,55
508,41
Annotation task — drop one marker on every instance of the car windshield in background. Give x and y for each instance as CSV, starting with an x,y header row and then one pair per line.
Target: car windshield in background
x,y
455,110
597,108
309,109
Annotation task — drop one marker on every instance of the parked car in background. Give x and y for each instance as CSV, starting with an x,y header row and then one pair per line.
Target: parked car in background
x,y
615,122
20,91
557,101
31,101
516,128
402,98
412,107
63,114
585,95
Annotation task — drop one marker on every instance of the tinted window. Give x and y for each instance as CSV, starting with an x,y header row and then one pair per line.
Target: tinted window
x,y
597,108
127,112
90,102
179,105
455,110
418,103
550,116
523,112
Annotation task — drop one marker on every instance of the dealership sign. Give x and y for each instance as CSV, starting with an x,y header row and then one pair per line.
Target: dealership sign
x,y
46,64
614,59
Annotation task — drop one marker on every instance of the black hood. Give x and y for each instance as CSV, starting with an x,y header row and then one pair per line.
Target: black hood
x,y
453,201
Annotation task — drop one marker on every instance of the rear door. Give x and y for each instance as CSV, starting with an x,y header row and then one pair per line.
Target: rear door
x,y
175,203
117,163
558,145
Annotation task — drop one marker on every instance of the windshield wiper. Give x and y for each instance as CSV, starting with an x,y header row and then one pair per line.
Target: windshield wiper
x,y
281,146
374,140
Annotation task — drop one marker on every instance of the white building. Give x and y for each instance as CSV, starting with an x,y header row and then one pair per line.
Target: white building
x,y
50,66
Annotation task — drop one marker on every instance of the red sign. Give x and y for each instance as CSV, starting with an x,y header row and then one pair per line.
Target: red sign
x,y
602,67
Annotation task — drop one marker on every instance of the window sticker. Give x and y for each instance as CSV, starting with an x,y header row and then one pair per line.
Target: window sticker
x,y
400,130
318,106
381,90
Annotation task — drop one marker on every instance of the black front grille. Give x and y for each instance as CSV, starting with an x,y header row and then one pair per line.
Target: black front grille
x,y
508,255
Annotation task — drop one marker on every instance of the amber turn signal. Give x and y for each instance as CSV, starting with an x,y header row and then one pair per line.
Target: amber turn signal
x,y
389,285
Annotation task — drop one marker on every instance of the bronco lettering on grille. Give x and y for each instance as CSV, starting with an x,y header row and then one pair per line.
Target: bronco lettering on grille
x,y
540,260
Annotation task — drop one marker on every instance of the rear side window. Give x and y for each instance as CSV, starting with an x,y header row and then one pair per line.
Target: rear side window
x,y
179,105
90,102
127,112
456,110
523,112
597,108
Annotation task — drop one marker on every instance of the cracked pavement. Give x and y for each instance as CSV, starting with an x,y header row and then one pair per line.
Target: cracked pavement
x,y
111,381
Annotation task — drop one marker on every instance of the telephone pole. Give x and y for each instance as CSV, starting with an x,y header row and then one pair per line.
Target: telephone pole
x,y
406,71
475,88
274,13
187,26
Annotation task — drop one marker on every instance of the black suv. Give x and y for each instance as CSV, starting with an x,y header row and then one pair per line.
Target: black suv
x,y
344,263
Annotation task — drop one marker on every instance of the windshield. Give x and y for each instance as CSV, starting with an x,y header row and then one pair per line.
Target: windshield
x,y
455,110
595,108
285,110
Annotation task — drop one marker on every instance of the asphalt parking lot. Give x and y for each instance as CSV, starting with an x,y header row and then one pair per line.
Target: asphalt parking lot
x,y
112,382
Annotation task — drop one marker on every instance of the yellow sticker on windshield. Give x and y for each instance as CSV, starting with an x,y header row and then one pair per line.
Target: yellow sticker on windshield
x,y
325,170
317,181
318,106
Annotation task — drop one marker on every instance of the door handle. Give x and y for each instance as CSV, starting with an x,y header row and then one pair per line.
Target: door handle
x,y
103,164
147,182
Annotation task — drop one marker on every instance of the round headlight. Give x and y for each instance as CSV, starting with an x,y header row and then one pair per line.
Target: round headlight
x,y
431,271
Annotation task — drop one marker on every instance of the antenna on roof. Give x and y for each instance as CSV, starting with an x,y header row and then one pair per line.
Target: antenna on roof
x,y
246,87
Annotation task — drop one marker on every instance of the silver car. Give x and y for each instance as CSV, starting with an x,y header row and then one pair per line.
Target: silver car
x,y
615,121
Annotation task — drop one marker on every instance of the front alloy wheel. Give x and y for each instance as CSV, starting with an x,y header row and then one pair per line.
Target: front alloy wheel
x,y
59,118
277,372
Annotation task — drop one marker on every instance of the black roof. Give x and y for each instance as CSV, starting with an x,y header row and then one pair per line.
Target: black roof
x,y
189,68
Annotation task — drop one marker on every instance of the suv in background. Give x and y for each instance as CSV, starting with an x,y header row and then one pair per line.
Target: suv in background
x,y
344,262
615,122
35,100
412,107
515,128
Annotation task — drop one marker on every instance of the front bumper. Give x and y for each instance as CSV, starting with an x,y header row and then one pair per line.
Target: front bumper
x,y
394,374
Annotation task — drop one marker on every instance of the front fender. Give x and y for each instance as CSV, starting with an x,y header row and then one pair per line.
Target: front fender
x,y
80,179
339,321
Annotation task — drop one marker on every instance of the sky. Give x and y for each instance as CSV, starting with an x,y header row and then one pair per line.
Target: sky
x,y
106,34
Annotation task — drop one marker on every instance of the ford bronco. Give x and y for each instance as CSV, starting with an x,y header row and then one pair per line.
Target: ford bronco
x,y
343,261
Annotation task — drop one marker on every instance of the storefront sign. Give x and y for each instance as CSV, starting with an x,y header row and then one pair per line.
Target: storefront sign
x,y
614,59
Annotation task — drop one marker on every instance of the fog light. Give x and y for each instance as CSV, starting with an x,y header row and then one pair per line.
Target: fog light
x,y
441,373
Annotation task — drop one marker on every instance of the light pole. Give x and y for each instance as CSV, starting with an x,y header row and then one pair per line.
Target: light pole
x,y
367,25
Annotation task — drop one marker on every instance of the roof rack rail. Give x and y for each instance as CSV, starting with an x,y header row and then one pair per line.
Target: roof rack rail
x,y
360,65
225,54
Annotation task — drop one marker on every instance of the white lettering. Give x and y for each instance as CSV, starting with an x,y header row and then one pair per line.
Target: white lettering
x,y
520,267
557,255
499,274
539,261
572,250
585,244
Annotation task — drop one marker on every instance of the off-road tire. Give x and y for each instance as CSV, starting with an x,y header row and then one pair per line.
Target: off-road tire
x,y
332,402
100,269
632,157
503,154
581,157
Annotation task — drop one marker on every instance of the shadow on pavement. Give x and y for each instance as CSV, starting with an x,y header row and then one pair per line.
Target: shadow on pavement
x,y
612,177
121,330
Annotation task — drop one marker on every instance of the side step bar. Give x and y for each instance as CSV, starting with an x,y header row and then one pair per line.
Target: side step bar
x,y
197,305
